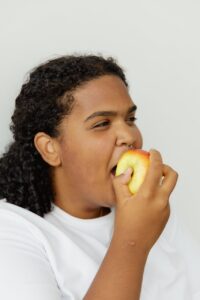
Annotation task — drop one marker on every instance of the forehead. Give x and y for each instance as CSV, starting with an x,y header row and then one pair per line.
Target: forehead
x,y
107,92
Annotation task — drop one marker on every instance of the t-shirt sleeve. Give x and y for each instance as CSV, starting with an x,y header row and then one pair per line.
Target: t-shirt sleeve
x,y
25,272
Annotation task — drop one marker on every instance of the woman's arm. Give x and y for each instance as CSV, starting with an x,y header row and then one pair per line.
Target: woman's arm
x,y
120,274
139,221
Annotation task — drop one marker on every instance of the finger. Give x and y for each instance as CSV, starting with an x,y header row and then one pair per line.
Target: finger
x,y
170,179
154,173
120,184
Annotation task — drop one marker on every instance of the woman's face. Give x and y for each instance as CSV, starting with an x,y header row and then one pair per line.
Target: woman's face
x,y
91,142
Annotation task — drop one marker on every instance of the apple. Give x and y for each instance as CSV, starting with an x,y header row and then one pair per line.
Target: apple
x,y
138,160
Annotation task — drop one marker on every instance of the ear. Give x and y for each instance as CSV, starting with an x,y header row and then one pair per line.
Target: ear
x,y
48,148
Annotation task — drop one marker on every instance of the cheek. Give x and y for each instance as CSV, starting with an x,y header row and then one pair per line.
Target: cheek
x,y
84,162
139,139
96,156
95,160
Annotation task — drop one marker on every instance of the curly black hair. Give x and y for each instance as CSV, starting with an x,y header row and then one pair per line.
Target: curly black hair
x,y
44,100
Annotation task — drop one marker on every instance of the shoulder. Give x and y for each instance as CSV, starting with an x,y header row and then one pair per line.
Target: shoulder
x,y
24,263
18,219
19,229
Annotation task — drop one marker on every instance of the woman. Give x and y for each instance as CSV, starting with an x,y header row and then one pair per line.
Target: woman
x,y
69,229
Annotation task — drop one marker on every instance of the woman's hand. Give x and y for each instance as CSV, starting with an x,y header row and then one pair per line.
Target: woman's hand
x,y
141,218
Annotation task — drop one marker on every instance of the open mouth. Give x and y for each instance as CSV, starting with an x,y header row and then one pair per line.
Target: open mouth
x,y
113,170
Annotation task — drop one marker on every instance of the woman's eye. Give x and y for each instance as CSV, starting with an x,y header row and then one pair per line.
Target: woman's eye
x,y
133,119
106,123
102,124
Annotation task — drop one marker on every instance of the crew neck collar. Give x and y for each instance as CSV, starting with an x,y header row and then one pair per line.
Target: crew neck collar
x,y
72,220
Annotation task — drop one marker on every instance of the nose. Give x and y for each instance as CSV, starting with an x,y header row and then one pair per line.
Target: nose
x,y
127,135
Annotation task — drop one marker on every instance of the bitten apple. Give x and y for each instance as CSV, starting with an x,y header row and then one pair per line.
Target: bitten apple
x,y
138,160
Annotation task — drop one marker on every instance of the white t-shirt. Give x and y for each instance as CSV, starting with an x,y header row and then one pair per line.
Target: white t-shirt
x,y
57,257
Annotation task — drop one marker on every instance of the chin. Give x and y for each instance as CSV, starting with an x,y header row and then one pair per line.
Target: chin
x,y
111,198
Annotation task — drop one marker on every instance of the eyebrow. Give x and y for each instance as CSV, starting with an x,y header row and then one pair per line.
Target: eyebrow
x,y
109,113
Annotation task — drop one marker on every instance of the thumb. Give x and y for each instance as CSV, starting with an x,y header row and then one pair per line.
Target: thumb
x,y
120,184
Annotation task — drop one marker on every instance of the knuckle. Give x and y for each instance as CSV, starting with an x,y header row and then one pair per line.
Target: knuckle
x,y
164,192
170,169
174,174
163,204
147,194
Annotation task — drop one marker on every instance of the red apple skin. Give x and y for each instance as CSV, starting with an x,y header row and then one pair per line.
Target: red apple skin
x,y
138,160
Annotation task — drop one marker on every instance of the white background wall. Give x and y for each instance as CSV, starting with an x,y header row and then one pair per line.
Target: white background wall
x,y
157,42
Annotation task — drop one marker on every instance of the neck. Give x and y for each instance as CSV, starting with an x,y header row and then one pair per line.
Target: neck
x,y
83,213
68,199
